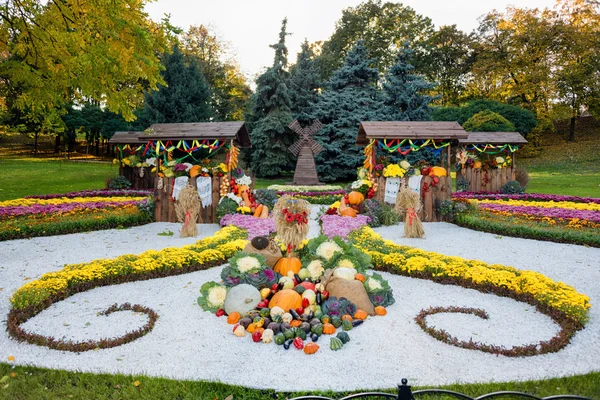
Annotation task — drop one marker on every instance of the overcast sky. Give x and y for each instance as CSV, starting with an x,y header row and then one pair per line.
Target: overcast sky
x,y
251,26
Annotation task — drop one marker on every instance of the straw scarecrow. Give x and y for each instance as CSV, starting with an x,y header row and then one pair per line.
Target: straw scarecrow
x,y
187,208
291,220
409,203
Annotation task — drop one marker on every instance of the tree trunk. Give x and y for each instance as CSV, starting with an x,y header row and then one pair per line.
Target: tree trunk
x,y
572,129
97,147
57,144
35,144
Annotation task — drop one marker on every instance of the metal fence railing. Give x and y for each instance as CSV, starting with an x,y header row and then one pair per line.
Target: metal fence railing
x,y
405,393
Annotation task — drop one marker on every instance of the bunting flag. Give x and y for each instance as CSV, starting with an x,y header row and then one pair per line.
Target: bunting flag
x,y
493,149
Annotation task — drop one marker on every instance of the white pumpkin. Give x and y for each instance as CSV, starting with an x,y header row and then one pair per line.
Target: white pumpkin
x,y
288,283
241,298
267,336
277,311
310,295
344,273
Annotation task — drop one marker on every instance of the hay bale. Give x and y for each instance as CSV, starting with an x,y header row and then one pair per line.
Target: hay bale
x,y
187,208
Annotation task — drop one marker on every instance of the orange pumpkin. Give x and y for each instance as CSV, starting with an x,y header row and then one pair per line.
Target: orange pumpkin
x,y
195,171
360,314
251,328
295,323
286,299
287,264
347,317
328,329
438,171
380,310
359,277
258,210
233,318
311,348
348,212
355,198
477,165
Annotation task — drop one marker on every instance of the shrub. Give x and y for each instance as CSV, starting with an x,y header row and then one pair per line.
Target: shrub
x,y
488,121
120,182
523,120
388,215
513,187
372,210
267,197
522,176
449,209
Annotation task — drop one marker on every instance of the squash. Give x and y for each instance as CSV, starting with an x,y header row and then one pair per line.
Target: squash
x,y
260,242
287,264
286,299
265,212
335,343
438,171
360,314
328,329
311,348
348,212
246,198
355,198
347,317
477,165
267,336
242,189
380,310
325,319
258,212
241,298
348,325
343,336
195,171
359,277
239,331
296,323
343,205
233,318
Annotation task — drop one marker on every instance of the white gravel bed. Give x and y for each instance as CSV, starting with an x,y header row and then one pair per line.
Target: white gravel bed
x,y
188,343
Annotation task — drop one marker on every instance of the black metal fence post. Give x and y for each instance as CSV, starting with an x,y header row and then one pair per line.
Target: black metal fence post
x,y
404,391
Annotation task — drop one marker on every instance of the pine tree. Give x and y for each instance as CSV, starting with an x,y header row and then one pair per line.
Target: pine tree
x,y
403,91
352,97
271,116
304,85
185,99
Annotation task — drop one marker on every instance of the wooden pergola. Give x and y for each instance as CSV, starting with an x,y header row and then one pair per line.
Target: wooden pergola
x,y
161,140
406,136
494,143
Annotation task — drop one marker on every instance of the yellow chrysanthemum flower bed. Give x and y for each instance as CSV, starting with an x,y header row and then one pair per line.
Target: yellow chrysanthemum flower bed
x,y
543,204
66,200
405,260
218,247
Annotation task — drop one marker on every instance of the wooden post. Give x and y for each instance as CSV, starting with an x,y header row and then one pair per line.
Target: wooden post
x,y
449,166
514,166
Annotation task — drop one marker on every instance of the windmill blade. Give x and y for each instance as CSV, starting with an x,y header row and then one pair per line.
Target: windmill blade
x,y
315,146
314,127
295,148
296,127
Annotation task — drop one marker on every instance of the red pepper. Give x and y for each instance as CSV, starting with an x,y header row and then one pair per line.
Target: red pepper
x,y
257,336
298,343
325,294
220,312
300,310
235,327
305,302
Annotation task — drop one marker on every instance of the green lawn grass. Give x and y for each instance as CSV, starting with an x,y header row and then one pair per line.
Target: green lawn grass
x,y
32,383
30,176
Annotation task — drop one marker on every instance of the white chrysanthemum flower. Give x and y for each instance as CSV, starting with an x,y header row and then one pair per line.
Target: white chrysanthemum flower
x,y
499,160
316,269
151,161
244,180
374,284
235,198
328,249
188,166
246,264
216,296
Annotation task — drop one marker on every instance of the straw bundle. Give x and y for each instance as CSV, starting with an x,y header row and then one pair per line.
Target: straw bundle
x,y
187,208
292,233
409,203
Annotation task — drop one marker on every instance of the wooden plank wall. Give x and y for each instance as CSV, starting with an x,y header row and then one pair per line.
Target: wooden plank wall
x,y
137,182
487,181
430,198
165,205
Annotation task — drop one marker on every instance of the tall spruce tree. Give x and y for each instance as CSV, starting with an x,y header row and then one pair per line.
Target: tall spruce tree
x,y
304,85
404,92
185,99
352,97
270,135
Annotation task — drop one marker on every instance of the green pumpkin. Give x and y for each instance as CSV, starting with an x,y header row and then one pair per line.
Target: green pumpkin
x,y
279,339
289,333
298,332
259,322
317,329
325,318
277,318
343,336
318,312
347,325
335,344
265,312
336,321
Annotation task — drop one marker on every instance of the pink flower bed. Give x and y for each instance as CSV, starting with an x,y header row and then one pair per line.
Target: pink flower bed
x,y
524,196
254,226
95,193
335,225
60,208
564,213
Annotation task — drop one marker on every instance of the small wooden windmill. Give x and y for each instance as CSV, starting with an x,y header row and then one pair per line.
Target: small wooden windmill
x,y
306,148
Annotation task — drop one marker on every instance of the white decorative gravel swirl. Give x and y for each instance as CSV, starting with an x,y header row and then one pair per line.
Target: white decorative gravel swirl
x,y
188,343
